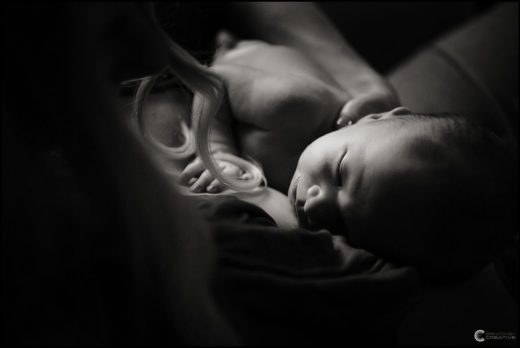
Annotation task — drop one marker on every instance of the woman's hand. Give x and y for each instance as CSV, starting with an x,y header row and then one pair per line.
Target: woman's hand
x,y
200,180
312,33
374,101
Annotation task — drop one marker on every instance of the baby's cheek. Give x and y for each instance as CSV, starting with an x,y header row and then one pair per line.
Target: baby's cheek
x,y
365,228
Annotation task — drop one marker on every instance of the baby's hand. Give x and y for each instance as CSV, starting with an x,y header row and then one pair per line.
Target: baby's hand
x,y
199,179
373,101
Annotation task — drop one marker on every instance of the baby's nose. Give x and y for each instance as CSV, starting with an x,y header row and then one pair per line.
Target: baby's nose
x,y
318,206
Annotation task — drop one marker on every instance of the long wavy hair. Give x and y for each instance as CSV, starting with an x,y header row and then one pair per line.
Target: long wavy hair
x,y
208,94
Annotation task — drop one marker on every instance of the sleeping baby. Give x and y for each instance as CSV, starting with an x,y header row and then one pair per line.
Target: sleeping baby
x,y
427,190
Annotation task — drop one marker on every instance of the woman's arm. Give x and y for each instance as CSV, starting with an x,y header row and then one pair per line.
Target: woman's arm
x,y
304,27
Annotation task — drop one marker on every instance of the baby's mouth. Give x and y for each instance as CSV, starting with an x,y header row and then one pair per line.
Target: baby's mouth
x,y
298,205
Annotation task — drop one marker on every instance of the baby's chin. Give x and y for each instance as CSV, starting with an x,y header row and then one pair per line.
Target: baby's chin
x,y
337,227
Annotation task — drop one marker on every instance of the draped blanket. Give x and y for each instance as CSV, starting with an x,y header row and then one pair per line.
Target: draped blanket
x,y
303,287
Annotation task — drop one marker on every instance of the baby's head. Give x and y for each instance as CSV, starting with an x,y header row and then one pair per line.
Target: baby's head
x,y
432,191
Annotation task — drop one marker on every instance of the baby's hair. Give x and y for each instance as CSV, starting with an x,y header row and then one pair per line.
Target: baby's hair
x,y
476,207
208,94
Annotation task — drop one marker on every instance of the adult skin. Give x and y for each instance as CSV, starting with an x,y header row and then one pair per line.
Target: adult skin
x,y
308,74
303,26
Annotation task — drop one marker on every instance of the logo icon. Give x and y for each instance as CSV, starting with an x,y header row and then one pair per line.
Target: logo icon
x,y
479,335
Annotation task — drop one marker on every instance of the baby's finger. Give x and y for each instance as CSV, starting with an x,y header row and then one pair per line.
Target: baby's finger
x,y
192,170
202,182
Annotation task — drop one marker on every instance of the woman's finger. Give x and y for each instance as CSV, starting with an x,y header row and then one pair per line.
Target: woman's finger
x,y
361,106
192,170
202,182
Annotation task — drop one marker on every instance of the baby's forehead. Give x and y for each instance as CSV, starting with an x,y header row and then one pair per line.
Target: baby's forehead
x,y
422,138
428,147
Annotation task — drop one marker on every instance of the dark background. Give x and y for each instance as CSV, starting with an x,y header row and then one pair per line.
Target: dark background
x,y
384,33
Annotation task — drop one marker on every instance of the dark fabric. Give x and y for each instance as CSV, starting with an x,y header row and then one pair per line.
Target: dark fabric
x,y
507,267
193,25
229,208
82,264
385,33
301,287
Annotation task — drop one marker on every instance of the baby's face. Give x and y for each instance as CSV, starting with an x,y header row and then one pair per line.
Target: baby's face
x,y
346,179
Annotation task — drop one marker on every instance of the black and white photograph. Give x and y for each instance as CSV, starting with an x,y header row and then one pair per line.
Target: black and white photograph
x,y
260,173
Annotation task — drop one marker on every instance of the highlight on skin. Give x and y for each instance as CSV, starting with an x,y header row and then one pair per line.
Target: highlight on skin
x,y
207,99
